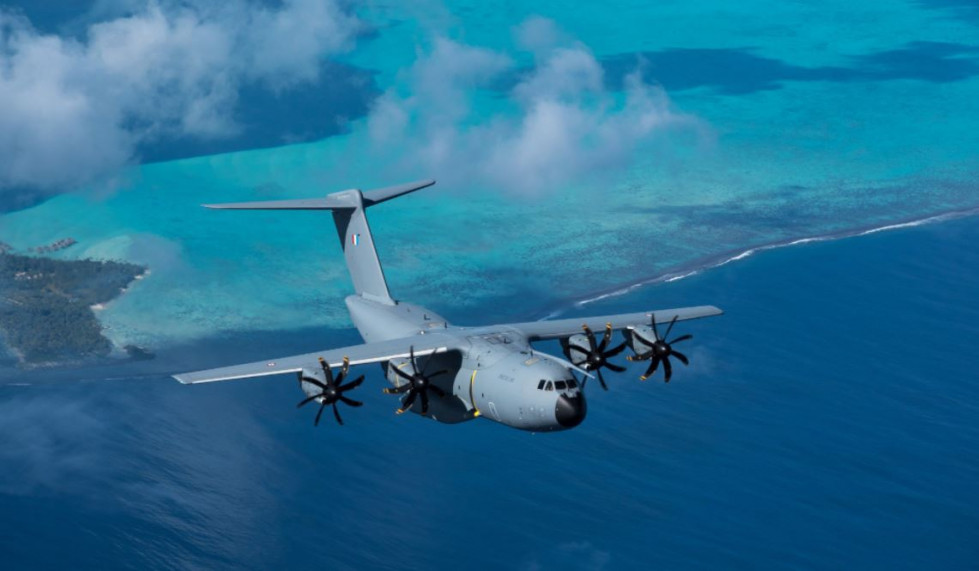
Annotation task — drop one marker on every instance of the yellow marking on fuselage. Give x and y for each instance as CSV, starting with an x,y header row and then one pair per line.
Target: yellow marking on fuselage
x,y
472,393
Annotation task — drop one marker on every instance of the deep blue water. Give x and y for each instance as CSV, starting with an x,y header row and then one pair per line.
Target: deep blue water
x,y
829,420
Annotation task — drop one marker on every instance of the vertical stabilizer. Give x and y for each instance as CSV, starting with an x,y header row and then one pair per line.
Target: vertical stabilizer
x,y
359,251
350,217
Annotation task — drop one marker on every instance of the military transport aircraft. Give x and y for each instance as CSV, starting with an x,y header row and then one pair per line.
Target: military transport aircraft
x,y
451,373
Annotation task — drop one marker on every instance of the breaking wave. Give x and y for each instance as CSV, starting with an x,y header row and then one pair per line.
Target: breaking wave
x,y
729,257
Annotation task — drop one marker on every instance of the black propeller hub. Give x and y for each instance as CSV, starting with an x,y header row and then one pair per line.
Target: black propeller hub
x,y
660,350
331,391
417,385
597,354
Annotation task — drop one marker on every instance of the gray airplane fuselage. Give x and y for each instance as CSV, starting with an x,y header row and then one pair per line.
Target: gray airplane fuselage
x,y
493,374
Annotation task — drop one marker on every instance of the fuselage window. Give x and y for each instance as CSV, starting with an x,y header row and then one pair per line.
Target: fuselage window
x,y
540,386
550,386
560,385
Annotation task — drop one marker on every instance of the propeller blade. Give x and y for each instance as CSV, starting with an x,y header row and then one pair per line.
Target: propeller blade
x,y
591,336
336,413
605,338
424,395
327,371
652,319
579,348
681,338
307,400
615,350
414,364
427,363
403,388
351,402
319,414
601,379
313,381
351,385
683,358
437,390
640,357
641,338
667,368
652,368
409,399
402,374
614,367
670,328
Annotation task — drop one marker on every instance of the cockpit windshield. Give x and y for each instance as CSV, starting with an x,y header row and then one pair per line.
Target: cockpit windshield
x,y
563,385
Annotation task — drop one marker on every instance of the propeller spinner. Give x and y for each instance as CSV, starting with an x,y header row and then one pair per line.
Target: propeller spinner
x,y
597,355
660,350
332,389
418,384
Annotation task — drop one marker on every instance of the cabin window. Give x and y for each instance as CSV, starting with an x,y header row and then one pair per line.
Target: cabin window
x,y
550,386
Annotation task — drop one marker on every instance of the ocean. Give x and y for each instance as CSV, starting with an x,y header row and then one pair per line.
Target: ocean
x,y
828,420
809,168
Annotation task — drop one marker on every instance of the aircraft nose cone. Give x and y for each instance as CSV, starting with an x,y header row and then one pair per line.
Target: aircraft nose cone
x,y
570,410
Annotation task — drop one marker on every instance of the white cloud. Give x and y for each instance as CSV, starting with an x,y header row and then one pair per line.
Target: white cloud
x,y
558,123
538,34
73,110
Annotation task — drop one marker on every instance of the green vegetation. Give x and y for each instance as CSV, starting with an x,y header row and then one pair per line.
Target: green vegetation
x,y
45,305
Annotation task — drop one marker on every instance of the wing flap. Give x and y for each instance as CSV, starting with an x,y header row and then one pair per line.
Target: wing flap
x,y
558,328
358,355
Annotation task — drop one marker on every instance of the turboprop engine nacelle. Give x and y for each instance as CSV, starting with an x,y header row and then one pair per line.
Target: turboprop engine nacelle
x,y
636,344
574,355
404,365
309,388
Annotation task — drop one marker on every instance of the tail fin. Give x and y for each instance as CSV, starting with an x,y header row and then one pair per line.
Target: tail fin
x,y
354,232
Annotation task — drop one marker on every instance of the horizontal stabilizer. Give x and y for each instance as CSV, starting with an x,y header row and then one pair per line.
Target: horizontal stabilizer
x,y
379,195
334,201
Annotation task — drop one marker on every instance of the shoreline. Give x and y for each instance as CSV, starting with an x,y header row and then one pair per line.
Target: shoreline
x,y
711,262
72,291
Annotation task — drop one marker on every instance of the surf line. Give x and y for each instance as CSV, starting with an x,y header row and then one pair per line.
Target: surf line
x,y
727,258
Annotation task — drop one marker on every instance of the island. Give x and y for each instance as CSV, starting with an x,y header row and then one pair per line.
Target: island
x,y
46,307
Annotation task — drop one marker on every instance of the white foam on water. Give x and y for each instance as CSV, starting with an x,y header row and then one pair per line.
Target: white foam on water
x,y
742,255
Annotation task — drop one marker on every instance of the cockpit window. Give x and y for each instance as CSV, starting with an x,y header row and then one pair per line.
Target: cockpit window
x,y
550,386
540,386
572,384
560,385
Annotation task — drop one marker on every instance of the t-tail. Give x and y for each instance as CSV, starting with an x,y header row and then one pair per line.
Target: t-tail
x,y
349,215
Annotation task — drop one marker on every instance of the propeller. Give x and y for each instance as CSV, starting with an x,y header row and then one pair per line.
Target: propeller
x,y
596,355
660,350
418,384
332,389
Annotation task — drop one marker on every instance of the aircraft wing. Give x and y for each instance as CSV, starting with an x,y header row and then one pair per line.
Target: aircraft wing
x,y
558,328
358,355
